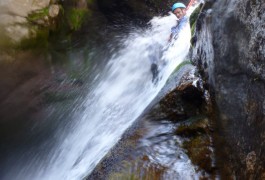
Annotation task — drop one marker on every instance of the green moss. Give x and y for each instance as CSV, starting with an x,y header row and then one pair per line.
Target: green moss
x,y
37,15
193,18
76,17
193,28
40,40
181,65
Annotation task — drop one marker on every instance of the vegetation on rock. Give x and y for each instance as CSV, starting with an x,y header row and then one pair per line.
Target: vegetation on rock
x,y
76,17
193,18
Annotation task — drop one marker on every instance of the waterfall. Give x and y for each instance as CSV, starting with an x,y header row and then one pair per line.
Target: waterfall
x,y
120,93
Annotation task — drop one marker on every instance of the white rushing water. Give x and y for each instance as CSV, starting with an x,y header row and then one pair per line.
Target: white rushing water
x,y
114,103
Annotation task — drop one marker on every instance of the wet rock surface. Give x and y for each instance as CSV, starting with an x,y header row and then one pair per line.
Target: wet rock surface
x,y
188,98
198,143
230,54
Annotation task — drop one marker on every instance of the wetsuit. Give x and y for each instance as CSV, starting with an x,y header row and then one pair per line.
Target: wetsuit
x,y
180,25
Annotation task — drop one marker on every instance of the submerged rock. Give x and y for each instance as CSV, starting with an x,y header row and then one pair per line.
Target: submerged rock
x,y
199,150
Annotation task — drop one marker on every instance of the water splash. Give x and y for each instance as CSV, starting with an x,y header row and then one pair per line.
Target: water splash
x,y
123,91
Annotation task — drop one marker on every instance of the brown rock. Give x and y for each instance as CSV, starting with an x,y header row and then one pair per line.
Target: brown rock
x,y
251,161
54,10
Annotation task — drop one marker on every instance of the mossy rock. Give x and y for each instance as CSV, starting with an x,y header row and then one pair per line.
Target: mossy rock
x,y
38,15
40,24
46,30
193,18
46,17
38,40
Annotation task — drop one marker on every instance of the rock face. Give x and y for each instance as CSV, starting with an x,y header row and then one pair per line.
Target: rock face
x,y
13,15
26,19
230,53
187,99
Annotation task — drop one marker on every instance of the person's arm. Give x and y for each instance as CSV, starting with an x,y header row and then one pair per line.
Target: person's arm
x,y
173,32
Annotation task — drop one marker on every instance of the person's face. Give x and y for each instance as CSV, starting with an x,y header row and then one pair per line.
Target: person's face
x,y
179,13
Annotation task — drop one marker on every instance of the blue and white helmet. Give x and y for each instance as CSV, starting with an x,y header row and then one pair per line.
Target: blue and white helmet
x,y
178,5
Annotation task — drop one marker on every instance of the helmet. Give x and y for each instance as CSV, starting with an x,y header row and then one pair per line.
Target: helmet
x,y
178,5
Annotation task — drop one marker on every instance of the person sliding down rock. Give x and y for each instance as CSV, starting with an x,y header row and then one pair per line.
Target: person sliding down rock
x,y
179,10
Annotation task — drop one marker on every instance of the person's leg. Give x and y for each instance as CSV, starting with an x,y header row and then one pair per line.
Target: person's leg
x,y
154,70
